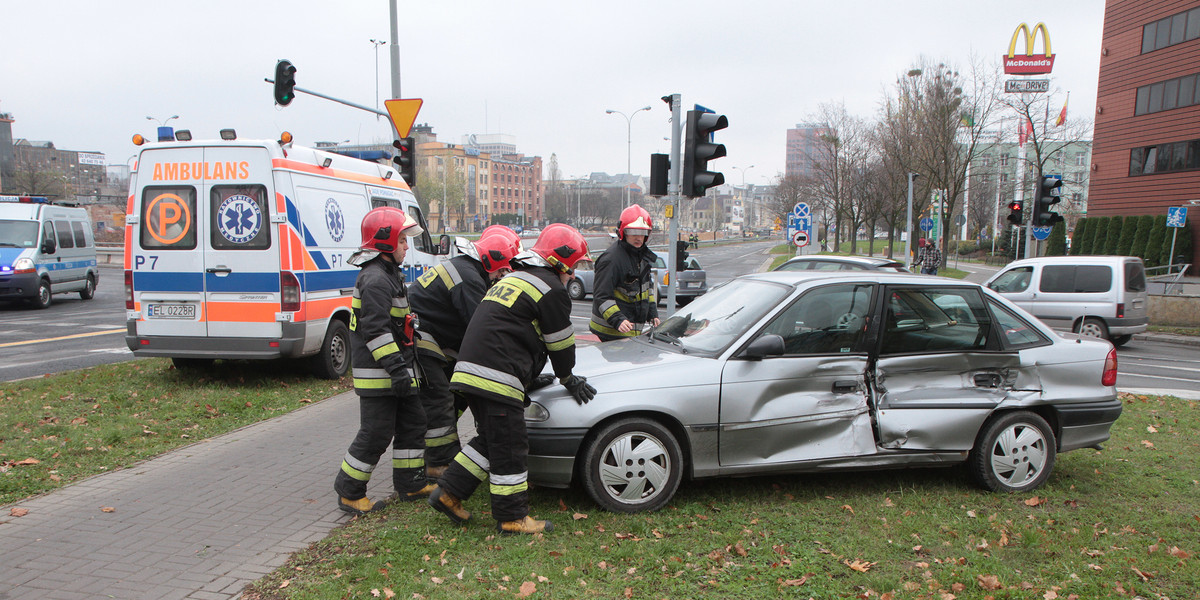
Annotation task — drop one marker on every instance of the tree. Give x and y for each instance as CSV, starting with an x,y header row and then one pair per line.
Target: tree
x,y
1097,237
1116,227
30,179
1144,224
1126,242
1056,244
1154,243
442,191
1079,235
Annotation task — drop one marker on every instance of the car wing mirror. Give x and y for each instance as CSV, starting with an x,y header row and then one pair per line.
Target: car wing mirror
x,y
49,246
768,345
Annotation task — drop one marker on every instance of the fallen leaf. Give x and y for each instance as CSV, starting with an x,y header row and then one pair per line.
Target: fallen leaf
x,y
305,400
375,592
17,511
388,593
988,582
628,592
849,508
1035,501
107,509
459,574
210,409
1147,443
286,582
1050,595
1151,429
527,588
858,565
888,502
26,462
971,513
794,582
1145,577
437,580
79,421
578,516
1177,553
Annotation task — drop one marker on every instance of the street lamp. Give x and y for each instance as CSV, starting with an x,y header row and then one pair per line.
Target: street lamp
x,y
377,44
628,143
745,203
164,122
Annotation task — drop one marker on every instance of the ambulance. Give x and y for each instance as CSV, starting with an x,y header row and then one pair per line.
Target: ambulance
x,y
237,249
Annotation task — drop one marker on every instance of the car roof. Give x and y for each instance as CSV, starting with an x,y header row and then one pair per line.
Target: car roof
x,y
795,278
862,260
1072,260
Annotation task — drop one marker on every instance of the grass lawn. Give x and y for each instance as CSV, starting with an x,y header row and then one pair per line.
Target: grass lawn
x,y
58,429
1122,522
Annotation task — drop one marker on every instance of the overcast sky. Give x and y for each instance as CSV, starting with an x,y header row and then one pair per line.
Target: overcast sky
x,y
86,74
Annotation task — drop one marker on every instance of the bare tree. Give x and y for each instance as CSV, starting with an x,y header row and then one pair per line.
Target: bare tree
x,y
442,190
30,179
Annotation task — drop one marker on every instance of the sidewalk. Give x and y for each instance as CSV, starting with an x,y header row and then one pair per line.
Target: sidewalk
x,y
197,523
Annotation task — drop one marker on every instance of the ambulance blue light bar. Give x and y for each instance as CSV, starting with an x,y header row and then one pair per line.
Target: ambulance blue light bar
x,y
26,199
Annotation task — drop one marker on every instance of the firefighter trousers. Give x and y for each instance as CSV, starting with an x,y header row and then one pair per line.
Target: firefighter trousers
x,y
441,419
498,455
384,420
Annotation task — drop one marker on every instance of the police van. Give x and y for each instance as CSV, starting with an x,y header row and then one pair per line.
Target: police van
x,y
45,249
238,249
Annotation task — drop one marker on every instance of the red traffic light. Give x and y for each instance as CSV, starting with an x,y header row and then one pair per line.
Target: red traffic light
x,y
1014,206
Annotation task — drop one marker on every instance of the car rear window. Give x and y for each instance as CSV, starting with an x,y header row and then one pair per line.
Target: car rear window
x,y
1076,279
1135,277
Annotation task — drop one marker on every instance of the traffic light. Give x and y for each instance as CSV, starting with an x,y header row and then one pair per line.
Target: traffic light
x,y
1015,210
660,166
406,160
681,254
285,81
698,150
1049,194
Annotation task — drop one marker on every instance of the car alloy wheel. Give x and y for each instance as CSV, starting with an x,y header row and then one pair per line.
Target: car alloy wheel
x,y
632,465
575,290
1015,452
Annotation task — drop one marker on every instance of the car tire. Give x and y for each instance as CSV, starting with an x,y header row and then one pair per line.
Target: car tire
x,y
1092,327
632,465
1015,452
194,364
89,288
1121,340
42,299
684,300
333,360
575,289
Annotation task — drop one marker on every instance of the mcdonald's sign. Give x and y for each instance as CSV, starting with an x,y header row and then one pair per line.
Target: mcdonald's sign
x,y
1029,63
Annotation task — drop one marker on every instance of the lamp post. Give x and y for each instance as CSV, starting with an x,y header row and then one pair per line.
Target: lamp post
x,y
162,123
377,44
745,203
442,167
628,144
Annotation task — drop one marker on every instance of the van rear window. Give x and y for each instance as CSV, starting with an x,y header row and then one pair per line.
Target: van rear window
x,y
1135,277
239,218
168,218
1076,279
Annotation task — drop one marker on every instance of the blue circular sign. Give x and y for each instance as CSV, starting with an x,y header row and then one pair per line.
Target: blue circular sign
x,y
239,218
926,224
334,220
1041,233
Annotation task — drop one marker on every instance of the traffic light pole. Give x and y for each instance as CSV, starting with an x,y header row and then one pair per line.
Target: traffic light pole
x,y
339,100
673,199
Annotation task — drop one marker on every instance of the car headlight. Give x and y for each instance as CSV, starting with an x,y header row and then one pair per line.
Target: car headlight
x,y
536,412
23,265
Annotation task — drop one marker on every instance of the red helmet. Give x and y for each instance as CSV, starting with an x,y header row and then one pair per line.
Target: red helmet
x,y
636,219
562,246
503,230
381,228
496,250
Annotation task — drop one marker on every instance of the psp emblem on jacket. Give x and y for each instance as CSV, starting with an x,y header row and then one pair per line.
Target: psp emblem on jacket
x,y
334,221
239,218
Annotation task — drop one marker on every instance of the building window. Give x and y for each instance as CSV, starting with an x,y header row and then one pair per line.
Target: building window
x,y
1079,159
1164,158
1171,30
1004,160
1165,95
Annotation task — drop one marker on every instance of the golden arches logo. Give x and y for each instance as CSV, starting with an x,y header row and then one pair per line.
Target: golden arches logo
x,y
1030,39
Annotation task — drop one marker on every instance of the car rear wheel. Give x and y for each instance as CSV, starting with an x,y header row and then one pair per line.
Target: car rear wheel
x,y
42,299
632,465
575,289
333,360
1121,340
89,288
1092,327
1014,453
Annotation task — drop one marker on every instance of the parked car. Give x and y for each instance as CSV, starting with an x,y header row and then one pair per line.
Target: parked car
x,y
823,262
693,281
802,372
1097,296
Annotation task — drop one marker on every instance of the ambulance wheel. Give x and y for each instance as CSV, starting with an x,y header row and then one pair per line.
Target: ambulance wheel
x,y
333,360
42,299
195,364
89,288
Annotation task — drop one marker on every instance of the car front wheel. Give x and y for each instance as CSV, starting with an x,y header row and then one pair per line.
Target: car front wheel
x,y
1014,453
633,465
42,299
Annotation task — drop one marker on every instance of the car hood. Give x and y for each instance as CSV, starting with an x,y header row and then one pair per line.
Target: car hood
x,y
637,364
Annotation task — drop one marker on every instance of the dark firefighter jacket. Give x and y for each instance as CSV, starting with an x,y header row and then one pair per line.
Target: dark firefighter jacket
x,y
623,289
524,317
380,352
444,298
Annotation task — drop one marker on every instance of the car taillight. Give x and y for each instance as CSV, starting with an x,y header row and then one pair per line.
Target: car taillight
x,y
1121,310
289,287
129,290
1110,369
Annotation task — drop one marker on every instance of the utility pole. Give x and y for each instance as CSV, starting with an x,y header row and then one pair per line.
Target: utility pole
x,y
394,50
674,197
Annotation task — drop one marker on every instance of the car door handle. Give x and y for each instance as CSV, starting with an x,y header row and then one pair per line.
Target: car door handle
x,y
219,270
845,387
990,380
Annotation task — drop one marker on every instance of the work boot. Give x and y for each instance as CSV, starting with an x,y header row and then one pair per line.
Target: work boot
x,y
358,507
527,525
405,497
435,473
448,505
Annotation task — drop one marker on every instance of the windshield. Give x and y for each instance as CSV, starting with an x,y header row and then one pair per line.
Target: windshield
x,y
716,319
18,234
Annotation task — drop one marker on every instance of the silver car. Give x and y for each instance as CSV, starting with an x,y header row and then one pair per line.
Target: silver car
x,y
799,372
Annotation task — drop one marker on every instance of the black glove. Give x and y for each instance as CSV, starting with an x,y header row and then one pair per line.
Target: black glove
x,y
579,388
540,382
402,388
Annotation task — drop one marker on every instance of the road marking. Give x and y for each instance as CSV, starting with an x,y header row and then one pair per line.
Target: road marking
x,y
65,337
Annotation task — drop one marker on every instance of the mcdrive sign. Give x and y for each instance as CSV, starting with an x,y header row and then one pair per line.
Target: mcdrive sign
x,y
1029,63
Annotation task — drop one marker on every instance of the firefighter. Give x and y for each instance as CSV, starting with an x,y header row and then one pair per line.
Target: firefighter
x,y
444,298
382,354
524,319
623,296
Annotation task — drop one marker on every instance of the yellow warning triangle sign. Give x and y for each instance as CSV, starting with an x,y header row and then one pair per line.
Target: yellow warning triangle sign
x,y
403,114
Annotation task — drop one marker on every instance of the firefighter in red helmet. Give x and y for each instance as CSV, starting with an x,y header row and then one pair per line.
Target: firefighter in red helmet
x,y
524,319
623,294
385,379
444,299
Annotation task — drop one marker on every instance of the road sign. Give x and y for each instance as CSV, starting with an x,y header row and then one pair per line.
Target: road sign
x,y
1041,233
801,210
403,114
959,220
1027,86
926,224
1176,216
800,239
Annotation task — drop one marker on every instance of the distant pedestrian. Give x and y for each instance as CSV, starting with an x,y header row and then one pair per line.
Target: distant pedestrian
x,y
928,256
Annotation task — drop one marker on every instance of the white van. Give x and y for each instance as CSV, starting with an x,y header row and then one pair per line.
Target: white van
x,y
238,249
1098,296
45,249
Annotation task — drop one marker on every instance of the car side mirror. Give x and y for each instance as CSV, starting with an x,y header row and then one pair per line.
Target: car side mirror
x,y
49,246
443,244
767,345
